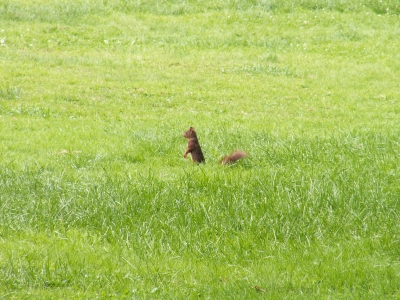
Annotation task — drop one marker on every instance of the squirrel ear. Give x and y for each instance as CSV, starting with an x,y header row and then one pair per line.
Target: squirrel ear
x,y
191,128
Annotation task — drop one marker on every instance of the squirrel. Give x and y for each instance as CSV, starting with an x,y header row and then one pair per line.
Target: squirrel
x,y
193,146
194,149
234,157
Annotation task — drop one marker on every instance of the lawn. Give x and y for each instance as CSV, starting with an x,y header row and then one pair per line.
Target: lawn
x,y
97,201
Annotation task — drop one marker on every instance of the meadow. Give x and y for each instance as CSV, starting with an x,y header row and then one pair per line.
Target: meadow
x,y
97,201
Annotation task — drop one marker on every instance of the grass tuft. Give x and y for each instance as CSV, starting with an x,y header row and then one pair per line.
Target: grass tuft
x,y
11,93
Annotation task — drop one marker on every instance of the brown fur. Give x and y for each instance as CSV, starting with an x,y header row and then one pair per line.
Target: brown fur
x,y
234,157
193,146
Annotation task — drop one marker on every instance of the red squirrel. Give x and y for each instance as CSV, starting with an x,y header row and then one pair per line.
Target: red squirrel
x,y
193,146
194,149
234,157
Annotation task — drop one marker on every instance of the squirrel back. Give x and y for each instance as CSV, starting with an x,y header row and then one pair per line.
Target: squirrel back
x,y
193,146
234,157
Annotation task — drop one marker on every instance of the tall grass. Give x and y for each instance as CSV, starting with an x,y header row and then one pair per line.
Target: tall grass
x,y
327,197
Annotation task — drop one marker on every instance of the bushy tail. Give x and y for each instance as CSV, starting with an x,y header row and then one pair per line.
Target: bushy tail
x,y
234,157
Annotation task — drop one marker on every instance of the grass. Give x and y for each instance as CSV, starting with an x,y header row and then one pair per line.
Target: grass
x,y
97,201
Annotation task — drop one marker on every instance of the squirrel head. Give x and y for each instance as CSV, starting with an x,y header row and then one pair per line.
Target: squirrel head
x,y
189,133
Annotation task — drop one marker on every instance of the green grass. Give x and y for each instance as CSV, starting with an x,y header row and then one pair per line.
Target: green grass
x,y
96,200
